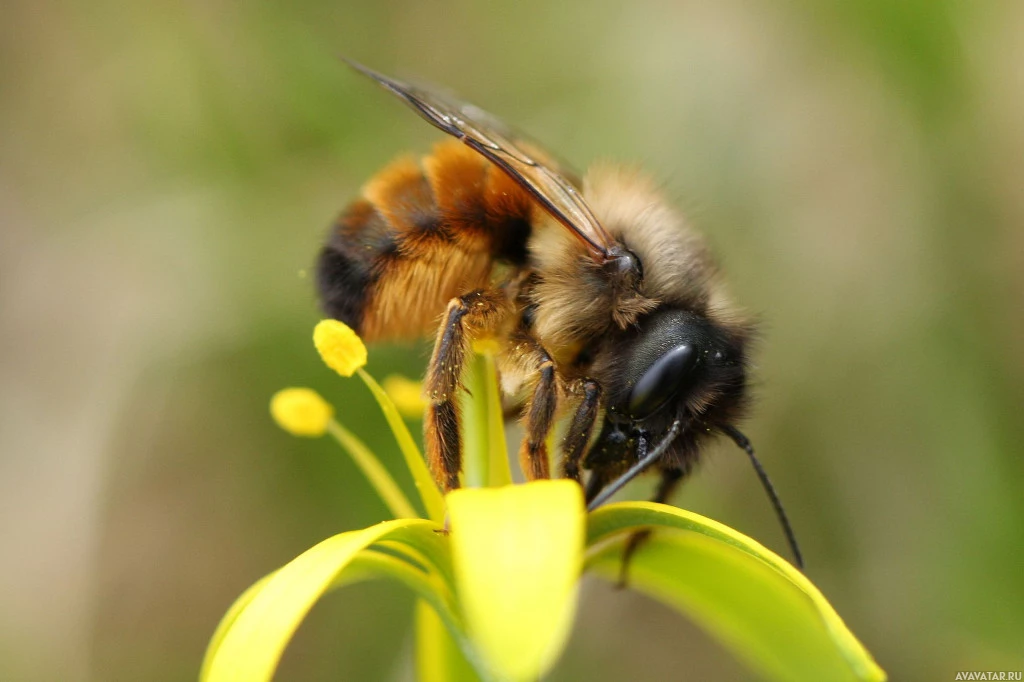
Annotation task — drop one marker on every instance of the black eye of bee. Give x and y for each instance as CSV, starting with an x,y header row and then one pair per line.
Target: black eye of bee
x,y
662,380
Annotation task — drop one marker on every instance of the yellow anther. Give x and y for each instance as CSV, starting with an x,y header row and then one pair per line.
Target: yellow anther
x,y
340,347
301,412
406,394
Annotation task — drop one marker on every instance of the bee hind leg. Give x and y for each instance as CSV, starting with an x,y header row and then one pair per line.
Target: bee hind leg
x,y
467,316
670,479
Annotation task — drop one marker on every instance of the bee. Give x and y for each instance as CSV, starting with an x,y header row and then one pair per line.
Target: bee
x,y
607,307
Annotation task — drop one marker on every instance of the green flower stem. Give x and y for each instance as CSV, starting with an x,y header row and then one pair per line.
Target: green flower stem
x,y
374,471
485,457
499,472
476,460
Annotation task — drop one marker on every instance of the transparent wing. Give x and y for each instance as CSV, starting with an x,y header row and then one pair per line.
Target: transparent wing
x,y
510,152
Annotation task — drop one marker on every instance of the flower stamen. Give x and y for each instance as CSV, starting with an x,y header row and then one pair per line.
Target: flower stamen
x,y
340,347
301,412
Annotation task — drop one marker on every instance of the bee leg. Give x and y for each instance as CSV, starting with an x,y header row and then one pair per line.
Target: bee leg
x,y
595,484
602,474
670,479
538,414
576,438
466,316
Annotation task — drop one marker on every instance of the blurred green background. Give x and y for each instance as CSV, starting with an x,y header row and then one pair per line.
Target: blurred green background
x,y
168,169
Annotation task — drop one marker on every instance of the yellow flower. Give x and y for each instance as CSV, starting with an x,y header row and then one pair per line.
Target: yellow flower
x,y
301,412
496,585
340,347
406,394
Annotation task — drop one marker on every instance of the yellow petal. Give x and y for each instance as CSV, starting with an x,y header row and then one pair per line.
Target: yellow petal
x,y
255,632
341,348
227,621
517,553
301,411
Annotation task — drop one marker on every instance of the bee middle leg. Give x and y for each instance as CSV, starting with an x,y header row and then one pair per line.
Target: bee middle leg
x,y
576,438
467,316
670,479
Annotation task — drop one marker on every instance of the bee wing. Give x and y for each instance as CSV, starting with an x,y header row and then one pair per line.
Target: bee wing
x,y
510,152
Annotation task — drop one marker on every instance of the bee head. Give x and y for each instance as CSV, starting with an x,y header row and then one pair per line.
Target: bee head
x,y
675,379
673,365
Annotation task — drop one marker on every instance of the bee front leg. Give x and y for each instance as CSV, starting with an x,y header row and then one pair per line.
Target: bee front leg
x,y
576,438
467,317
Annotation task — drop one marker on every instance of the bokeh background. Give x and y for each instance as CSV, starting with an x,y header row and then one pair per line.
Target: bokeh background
x,y
167,170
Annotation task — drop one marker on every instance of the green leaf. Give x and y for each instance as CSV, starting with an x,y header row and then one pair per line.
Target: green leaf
x,y
227,621
431,550
438,656
429,493
623,516
256,630
752,600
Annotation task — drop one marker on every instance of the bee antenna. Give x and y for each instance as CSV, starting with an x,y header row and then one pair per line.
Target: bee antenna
x,y
744,443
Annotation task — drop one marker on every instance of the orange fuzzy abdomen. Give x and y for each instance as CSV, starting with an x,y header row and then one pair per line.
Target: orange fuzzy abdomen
x,y
423,232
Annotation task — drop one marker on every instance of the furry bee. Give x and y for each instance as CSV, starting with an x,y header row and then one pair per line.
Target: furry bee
x,y
607,307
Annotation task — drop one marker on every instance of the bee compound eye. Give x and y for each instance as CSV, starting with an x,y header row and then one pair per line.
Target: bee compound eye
x,y
662,380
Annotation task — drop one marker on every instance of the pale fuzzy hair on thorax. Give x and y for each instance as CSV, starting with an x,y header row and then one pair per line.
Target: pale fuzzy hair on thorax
x,y
678,267
574,302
